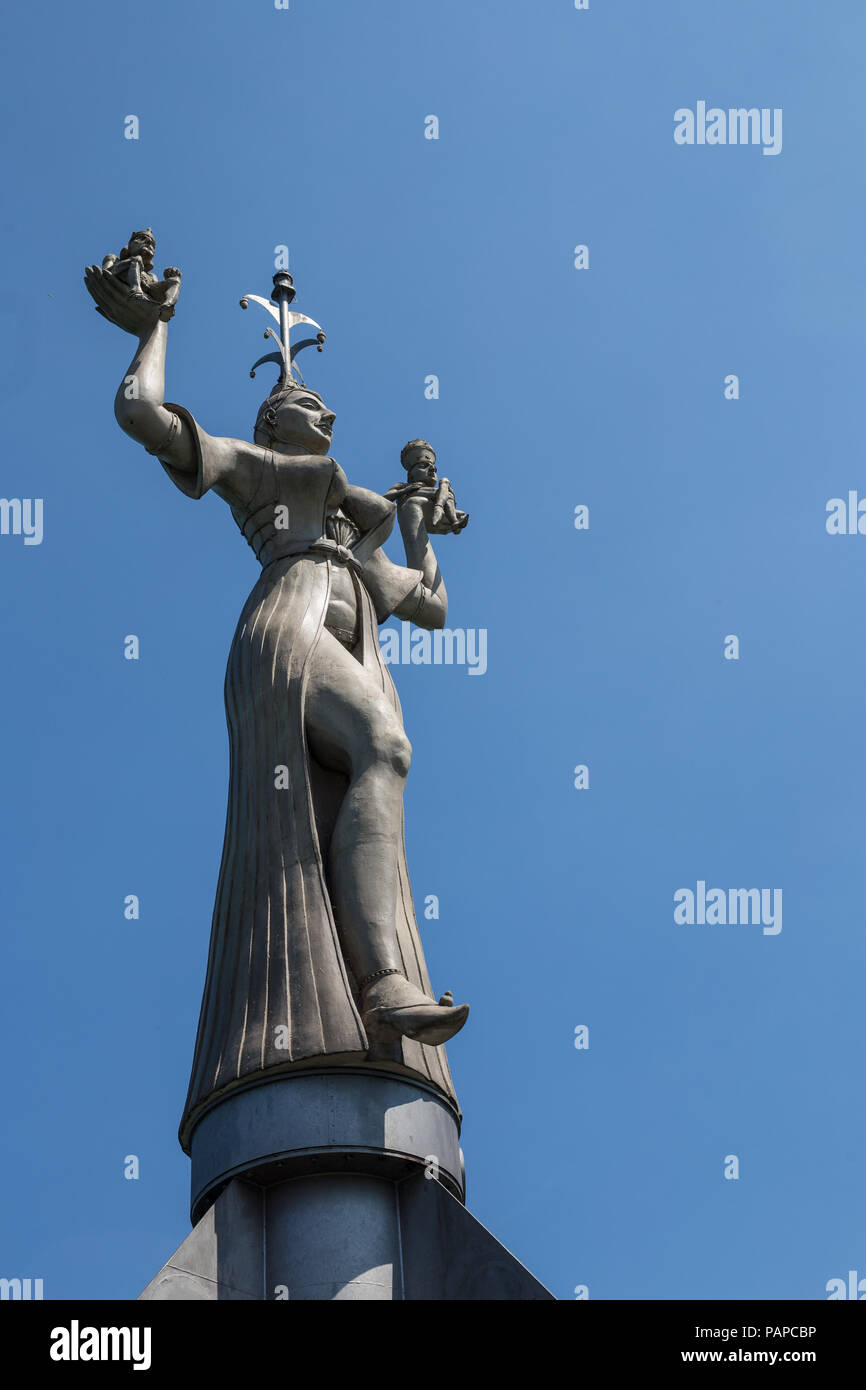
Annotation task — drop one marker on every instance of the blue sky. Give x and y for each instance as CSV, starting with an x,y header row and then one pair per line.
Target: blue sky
x,y
605,387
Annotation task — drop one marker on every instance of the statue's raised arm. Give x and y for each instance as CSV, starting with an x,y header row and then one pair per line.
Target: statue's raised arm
x,y
129,295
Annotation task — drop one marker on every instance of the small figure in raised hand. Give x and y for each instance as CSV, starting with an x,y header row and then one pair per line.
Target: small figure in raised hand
x,y
125,289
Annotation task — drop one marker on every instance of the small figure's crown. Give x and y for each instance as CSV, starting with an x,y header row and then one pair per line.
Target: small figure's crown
x,y
145,235
412,447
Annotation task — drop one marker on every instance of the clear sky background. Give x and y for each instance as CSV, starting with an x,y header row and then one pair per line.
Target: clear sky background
x,y
558,387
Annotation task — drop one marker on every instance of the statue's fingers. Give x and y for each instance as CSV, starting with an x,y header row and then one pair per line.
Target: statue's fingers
x,y
112,300
98,294
108,292
94,288
93,276
111,287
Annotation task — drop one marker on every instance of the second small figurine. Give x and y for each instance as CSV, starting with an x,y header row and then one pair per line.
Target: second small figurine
x,y
419,460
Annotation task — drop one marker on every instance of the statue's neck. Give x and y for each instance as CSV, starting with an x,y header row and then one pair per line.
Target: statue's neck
x,y
294,451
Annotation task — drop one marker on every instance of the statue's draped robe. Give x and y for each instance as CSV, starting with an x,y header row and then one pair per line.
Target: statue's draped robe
x,y
278,992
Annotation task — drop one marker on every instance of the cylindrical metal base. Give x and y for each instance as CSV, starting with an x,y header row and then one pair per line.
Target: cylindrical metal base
x,y
314,1123
334,1238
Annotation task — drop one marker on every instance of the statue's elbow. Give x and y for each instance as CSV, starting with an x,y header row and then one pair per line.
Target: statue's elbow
x,y
436,615
133,416
124,414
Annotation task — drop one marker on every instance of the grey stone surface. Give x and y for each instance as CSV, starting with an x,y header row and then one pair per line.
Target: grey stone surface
x,y
315,949
324,1121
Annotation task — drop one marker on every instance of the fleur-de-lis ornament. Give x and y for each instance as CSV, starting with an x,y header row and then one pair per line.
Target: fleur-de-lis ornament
x,y
282,296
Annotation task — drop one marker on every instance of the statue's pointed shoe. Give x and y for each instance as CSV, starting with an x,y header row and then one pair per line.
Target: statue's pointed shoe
x,y
424,1023
393,1007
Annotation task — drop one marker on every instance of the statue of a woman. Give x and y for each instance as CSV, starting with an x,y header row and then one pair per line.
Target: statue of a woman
x,y
315,954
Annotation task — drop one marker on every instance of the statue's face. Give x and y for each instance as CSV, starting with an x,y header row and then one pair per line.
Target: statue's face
x,y
303,419
144,247
422,467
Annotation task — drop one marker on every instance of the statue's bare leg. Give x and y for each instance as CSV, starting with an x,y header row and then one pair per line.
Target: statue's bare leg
x,y
351,729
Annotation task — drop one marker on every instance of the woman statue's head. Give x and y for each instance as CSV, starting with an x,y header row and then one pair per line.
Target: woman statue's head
x,y
293,414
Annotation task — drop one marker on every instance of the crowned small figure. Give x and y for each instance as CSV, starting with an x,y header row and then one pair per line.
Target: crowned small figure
x,y
419,460
134,268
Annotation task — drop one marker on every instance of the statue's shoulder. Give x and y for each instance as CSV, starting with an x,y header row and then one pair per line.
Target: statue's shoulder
x,y
243,448
234,468
246,469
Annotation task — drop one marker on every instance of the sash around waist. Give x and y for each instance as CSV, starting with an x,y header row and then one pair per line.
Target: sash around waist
x,y
324,546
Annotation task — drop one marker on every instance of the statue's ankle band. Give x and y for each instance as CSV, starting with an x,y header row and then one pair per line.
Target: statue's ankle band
x,y
377,975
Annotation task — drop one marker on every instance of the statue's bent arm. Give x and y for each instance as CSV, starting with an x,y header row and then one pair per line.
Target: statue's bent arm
x,y
427,604
367,509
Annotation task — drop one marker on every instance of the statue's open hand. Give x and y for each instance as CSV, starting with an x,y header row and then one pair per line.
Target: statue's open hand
x,y
132,311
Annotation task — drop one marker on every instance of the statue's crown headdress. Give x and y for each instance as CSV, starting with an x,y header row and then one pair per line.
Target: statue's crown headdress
x,y
413,447
145,233
282,296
